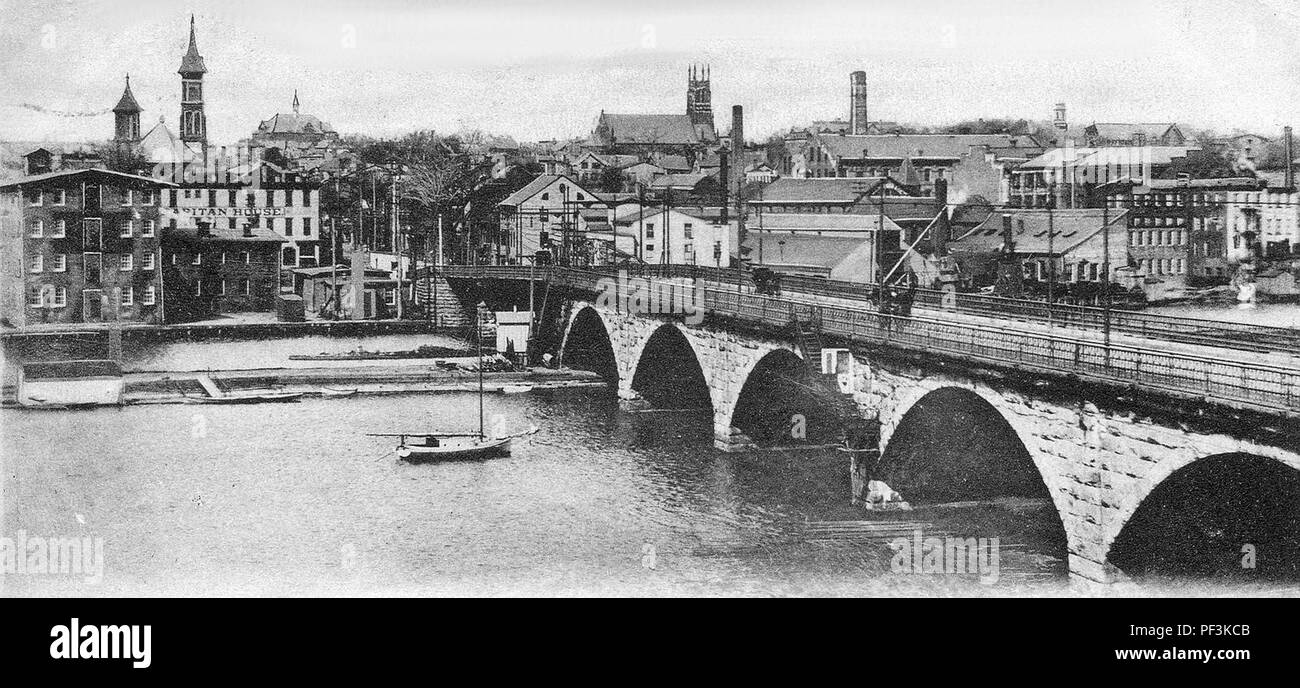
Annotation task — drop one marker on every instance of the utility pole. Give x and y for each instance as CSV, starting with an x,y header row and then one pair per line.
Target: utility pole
x,y
1105,268
1051,264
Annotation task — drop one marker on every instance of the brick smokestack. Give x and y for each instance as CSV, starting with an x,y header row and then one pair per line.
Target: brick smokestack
x,y
858,103
939,234
1290,157
737,155
737,162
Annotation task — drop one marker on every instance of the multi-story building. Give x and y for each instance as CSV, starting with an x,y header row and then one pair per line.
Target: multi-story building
x,y
545,214
81,246
668,235
287,206
971,164
210,268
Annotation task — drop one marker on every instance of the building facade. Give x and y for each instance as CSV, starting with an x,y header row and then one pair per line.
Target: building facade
x,y
81,246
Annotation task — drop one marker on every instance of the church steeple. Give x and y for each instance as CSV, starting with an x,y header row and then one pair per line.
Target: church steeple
x,y
126,116
192,63
295,101
194,121
699,96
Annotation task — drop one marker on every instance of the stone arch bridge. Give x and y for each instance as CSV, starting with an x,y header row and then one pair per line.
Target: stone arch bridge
x,y
1100,448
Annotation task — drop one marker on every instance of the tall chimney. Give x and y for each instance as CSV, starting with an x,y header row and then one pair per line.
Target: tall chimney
x,y
737,147
858,103
939,235
1290,157
737,164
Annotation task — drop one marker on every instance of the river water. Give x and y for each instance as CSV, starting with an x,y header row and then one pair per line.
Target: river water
x,y
295,499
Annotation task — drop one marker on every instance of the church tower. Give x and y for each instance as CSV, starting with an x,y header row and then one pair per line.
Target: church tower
x,y
194,123
126,117
699,97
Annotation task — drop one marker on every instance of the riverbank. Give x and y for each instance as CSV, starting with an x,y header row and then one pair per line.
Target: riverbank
x,y
170,387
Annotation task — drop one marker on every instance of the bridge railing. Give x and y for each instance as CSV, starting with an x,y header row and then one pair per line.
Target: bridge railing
x,y
1241,336
1254,385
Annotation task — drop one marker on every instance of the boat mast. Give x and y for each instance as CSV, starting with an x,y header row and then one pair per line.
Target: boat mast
x,y
478,338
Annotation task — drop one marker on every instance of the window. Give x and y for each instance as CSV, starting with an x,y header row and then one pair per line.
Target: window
x,y
649,247
198,258
128,229
35,197
306,226
150,295
60,297
650,230
38,229
147,228
247,288
127,297
247,257
686,227
60,229
38,264
36,297
288,225
60,196
390,297
232,198
545,197
288,198
146,261
212,198
60,263
128,196
125,262
148,197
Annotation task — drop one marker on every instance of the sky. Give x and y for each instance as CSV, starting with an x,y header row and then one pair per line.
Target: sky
x,y
541,70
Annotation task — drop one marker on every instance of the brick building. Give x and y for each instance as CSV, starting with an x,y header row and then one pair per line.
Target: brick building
x,y
81,246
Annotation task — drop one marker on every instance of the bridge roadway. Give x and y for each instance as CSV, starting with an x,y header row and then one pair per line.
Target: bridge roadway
x,y
1176,356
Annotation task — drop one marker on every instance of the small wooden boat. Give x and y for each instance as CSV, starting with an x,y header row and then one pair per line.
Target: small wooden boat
x,y
261,397
516,389
336,392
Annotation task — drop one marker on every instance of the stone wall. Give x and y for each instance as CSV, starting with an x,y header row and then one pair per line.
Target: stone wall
x,y
1098,465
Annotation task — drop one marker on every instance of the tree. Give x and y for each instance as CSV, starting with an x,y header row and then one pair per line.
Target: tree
x,y
611,180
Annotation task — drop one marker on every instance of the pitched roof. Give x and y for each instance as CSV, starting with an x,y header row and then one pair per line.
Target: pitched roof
x,y
828,189
1123,131
192,63
541,182
127,104
820,222
294,123
918,145
1029,230
648,129
678,181
1102,157
92,171
802,249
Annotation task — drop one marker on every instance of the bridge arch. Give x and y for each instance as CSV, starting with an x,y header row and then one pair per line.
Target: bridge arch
x,y
951,440
669,372
587,344
780,397
1194,516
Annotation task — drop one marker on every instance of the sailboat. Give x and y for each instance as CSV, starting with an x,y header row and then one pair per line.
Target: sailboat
x,y
442,446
